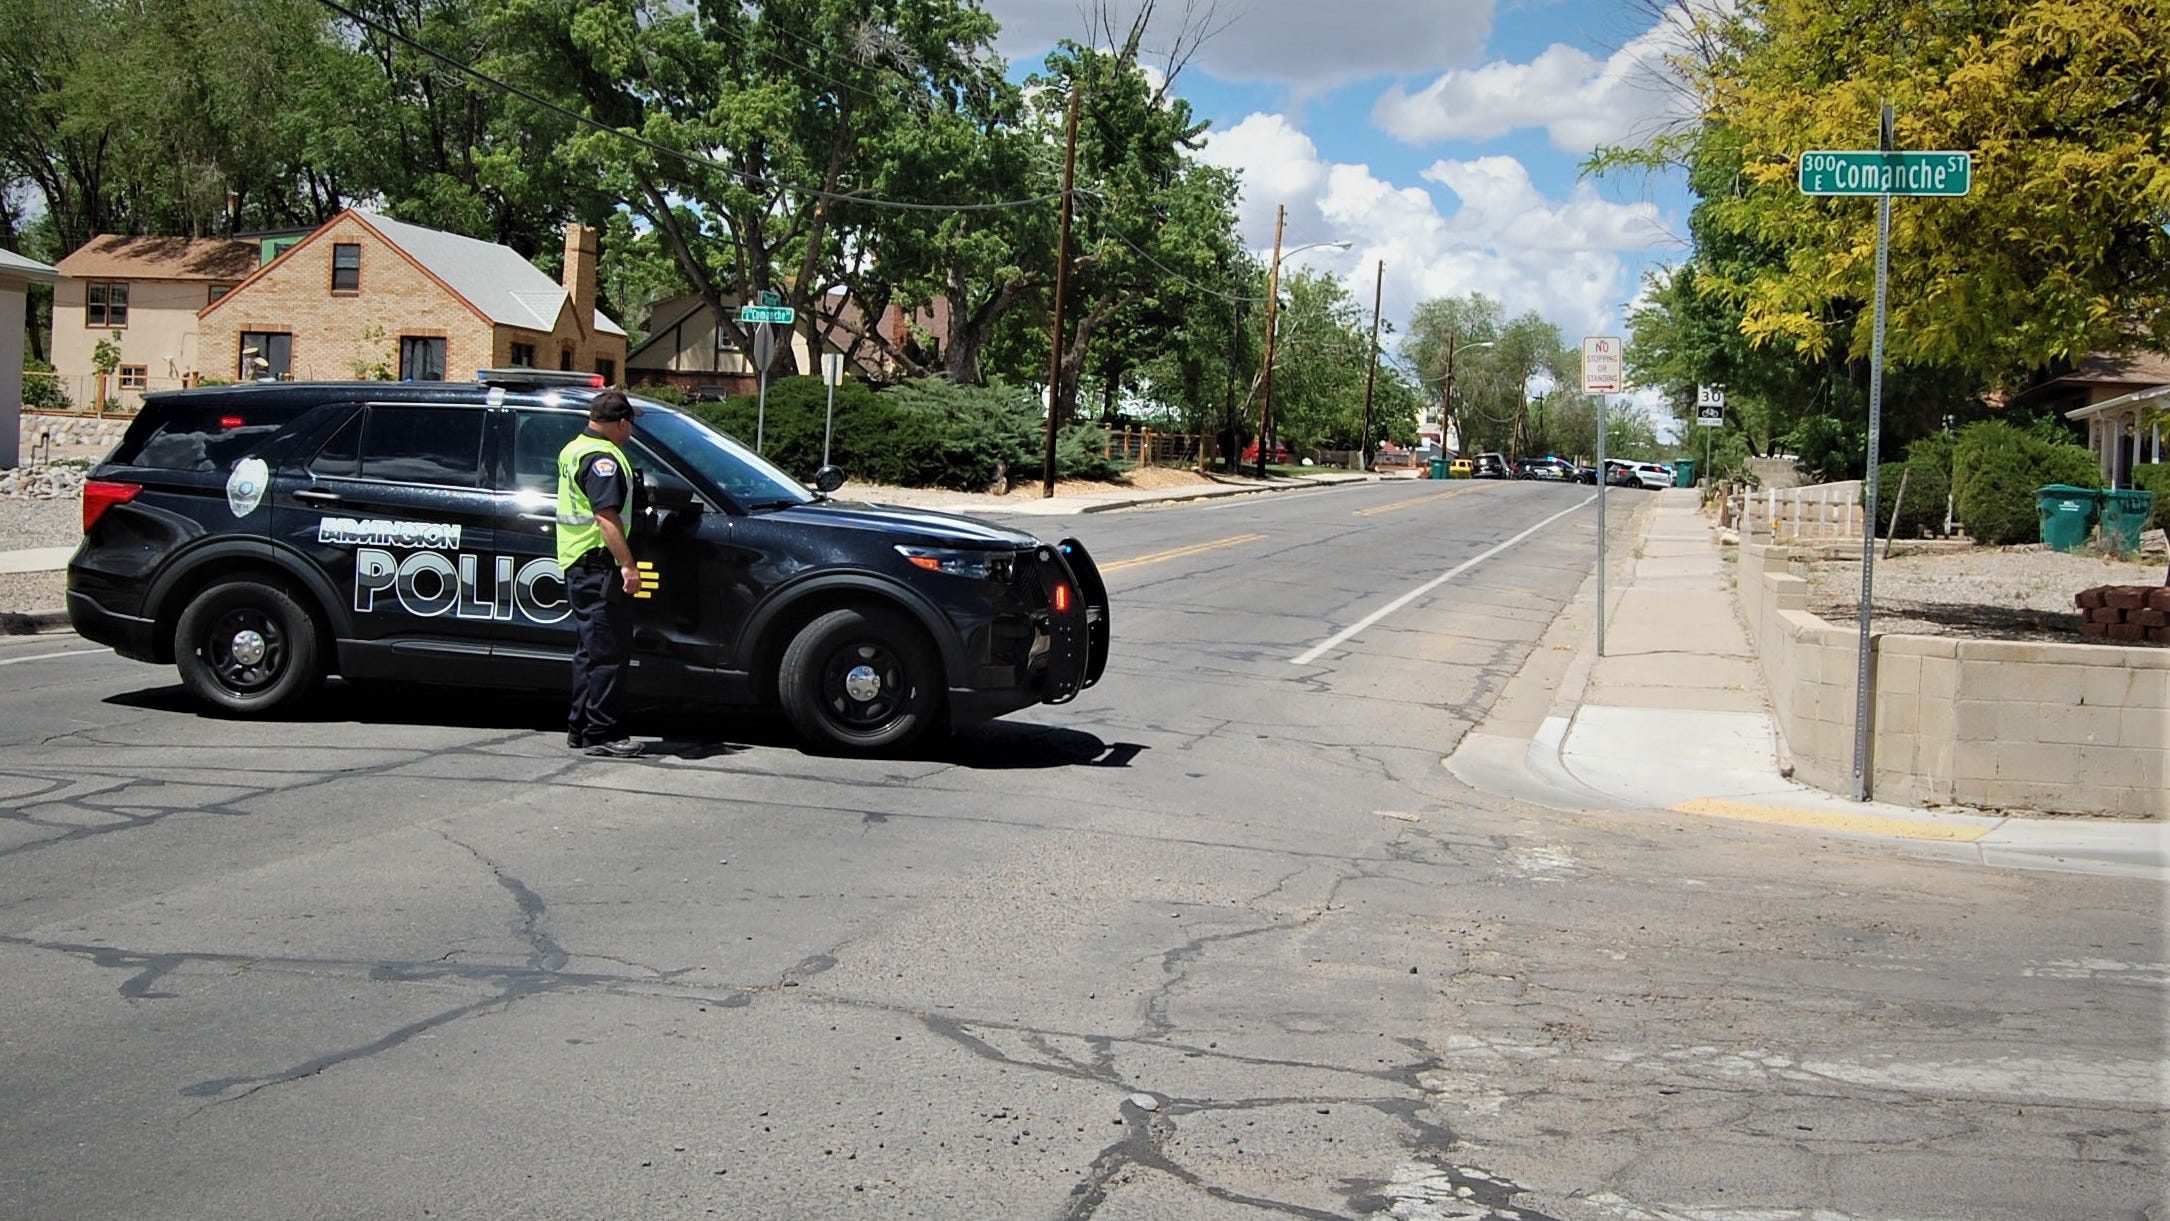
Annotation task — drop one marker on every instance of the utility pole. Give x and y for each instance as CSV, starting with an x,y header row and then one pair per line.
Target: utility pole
x,y
1372,372
1514,439
1446,391
1062,270
1273,301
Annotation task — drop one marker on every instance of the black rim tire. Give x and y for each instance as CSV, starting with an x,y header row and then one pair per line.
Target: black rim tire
x,y
246,647
859,680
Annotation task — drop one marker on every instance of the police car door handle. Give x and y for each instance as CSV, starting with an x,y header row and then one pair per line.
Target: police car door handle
x,y
316,494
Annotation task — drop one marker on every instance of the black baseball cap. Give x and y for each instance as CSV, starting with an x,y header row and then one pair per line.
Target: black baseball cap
x,y
611,406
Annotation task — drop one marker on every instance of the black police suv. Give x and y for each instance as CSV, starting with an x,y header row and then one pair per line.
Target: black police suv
x,y
262,536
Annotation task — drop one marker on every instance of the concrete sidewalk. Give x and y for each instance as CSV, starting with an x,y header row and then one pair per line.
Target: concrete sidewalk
x,y
1675,717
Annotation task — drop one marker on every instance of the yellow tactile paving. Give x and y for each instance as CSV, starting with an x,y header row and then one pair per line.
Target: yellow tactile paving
x,y
1860,824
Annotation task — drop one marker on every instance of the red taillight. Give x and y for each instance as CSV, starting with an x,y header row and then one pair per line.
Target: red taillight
x,y
231,421
1061,599
101,494
597,381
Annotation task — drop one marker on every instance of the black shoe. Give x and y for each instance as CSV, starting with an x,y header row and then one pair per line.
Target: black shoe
x,y
573,740
617,748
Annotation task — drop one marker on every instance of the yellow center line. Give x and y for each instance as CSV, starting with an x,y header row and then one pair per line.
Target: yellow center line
x,y
1399,505
1862,824
1180,552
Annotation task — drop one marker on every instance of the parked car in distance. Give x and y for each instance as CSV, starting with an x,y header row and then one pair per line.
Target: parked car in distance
x,y
1492,466
1653,475
1461,468
1279,453
1558,470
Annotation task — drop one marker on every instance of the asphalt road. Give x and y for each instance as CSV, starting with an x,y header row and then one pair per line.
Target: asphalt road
x,y
1221,939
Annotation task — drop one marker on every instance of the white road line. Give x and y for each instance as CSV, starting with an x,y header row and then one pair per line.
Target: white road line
x,y
16,661
1311,654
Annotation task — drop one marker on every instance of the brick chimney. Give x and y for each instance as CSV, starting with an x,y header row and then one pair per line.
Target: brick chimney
x,y
581,252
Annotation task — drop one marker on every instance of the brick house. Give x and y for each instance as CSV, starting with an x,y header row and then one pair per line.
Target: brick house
x,y
367,296
142,295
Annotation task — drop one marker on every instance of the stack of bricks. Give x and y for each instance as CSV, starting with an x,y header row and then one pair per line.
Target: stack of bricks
x,y
2126,612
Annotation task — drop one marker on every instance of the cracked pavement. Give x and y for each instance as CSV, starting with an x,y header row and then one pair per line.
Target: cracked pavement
x,y
1219,940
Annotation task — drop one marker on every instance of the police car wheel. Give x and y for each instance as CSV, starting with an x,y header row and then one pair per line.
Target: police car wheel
x,y
859,680
246,646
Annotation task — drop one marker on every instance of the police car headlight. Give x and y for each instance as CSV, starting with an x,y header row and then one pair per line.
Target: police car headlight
x,y
974,565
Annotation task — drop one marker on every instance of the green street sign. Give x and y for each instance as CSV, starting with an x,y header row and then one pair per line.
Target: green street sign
x,y
782,314
770,296
1869,172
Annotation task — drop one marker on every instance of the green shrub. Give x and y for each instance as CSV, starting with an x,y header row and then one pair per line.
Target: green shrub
x,y
662,393
1826,450
1922,511
923,433
1996,469
42,392
2155,477
1934,450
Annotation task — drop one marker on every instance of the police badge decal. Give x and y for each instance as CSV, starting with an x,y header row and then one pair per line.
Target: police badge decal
x,y
245,487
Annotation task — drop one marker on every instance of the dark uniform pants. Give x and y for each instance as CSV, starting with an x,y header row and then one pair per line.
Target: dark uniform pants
x,y
603,614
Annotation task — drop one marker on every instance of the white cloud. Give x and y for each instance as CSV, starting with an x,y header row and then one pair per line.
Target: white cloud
x,y
1566,259
1307,46
1579,100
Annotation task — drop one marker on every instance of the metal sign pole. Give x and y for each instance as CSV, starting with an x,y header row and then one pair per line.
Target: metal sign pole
x,y
1601,524
1862,672
764,346
832,372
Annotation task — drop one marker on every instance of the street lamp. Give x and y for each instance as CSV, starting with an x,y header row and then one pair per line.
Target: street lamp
x,y
1273,300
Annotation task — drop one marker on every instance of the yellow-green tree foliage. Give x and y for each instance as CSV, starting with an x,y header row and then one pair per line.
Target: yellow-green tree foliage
x,y
2061,247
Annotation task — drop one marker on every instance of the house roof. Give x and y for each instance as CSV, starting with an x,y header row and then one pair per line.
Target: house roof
x,y
505,288
18,267
2122,405
112,256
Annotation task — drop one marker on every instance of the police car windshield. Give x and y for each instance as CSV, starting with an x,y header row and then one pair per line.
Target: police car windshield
x,y
743,475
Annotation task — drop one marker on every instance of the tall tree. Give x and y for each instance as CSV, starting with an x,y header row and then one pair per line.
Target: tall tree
x,y
2060,249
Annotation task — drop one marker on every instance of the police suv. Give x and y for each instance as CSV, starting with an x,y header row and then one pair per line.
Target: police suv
x,y
261,536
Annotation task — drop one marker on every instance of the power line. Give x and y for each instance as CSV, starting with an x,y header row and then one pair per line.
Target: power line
x,y
663,150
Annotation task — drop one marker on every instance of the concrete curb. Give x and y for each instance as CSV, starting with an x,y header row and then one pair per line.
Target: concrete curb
x,y
30,623
1533,763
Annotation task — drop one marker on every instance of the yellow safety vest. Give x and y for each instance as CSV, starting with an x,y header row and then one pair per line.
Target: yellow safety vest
x,y
577,532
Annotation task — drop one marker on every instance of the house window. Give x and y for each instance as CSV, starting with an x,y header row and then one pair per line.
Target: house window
x,y
135,377
523,355
609,370
346,267
266,354
421,359
107,305
565,359
219,290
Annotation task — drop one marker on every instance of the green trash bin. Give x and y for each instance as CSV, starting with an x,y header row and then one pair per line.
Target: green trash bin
x,y
1683,472
2067,515
1439,468
2124,515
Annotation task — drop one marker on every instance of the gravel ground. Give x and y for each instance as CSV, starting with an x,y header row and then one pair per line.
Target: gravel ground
x,y
26,592
30,522
2003,593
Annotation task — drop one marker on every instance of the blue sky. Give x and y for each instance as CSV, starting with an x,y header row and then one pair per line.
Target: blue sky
x,y
1442,136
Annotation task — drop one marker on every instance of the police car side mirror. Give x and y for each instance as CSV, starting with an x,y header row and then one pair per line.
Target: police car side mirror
x,y
829,479
668,495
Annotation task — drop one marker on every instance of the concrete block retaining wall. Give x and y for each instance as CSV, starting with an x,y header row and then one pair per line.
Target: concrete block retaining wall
x,y
2001,724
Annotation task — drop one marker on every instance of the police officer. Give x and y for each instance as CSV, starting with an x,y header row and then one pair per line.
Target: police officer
x,y
595,519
